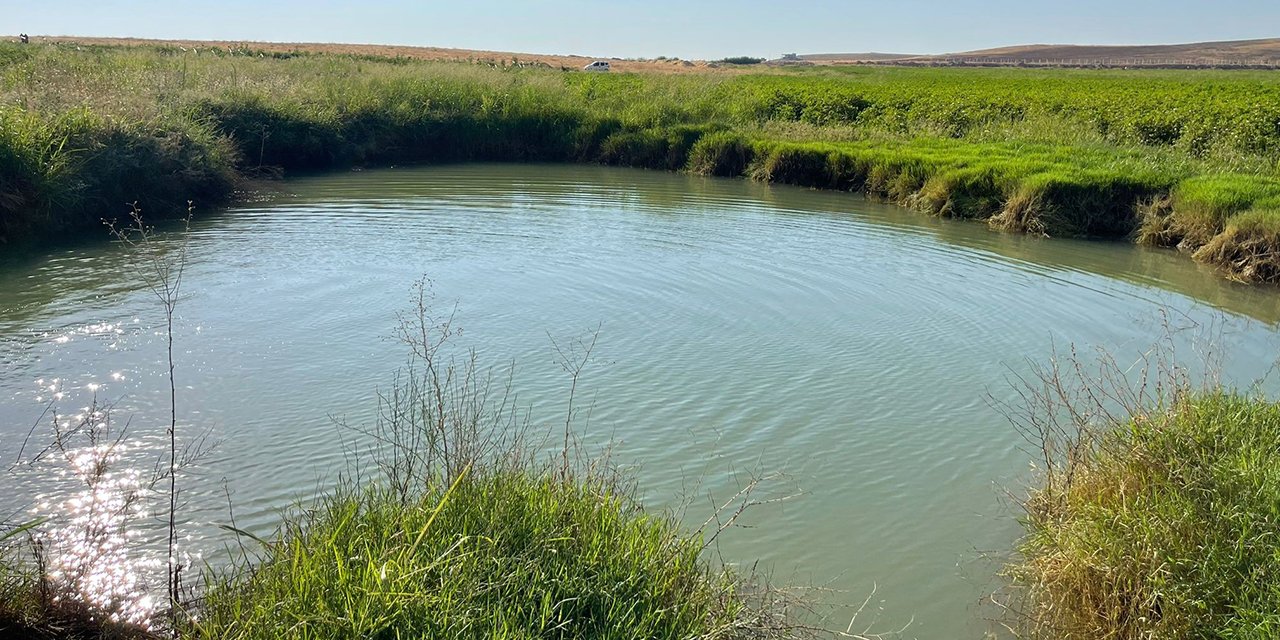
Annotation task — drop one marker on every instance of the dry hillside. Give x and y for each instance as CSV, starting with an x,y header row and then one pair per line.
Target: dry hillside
x,y
392,51
1222,54
869,56
1242,52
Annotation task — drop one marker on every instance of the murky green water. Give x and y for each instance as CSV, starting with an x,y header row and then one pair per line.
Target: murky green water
x,y
849,344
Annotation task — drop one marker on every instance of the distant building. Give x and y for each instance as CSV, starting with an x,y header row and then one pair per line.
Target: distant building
x,y
790,56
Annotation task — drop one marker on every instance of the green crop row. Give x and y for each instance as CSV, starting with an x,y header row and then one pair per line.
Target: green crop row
x,y
1209,114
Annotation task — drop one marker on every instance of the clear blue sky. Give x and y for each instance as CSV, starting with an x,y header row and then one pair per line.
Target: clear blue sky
x,y
688,29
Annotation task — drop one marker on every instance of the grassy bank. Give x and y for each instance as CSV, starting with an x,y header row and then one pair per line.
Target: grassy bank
x,y
1179,159
497,551
1163,527
516,552
496,555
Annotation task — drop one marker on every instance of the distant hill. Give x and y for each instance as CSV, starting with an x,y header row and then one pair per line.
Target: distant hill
x,y
1236,53
857,57
1232,52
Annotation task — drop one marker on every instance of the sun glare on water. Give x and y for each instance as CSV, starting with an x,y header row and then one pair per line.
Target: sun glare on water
x,y
88,547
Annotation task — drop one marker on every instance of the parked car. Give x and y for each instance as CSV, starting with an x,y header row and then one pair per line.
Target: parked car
x,y
598,65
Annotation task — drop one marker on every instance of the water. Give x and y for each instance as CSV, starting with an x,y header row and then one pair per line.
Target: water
x,y
743,328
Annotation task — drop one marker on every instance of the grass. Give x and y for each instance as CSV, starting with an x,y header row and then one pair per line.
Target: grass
x,y
1164,157
1247,249
1046,189
495,555
1165,529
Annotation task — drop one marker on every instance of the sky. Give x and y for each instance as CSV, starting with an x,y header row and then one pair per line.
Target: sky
x,y
690,29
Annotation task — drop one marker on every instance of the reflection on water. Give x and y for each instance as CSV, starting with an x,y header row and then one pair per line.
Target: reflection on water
x,y
850,344
91,541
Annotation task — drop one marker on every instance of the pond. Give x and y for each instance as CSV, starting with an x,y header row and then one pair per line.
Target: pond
x,y
743,329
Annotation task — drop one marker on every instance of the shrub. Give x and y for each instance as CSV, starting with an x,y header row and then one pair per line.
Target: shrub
x,y
1159,531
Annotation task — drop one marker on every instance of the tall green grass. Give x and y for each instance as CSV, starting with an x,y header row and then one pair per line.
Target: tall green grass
x,y
1164,157
1166,528
67,171
1153,512
495,555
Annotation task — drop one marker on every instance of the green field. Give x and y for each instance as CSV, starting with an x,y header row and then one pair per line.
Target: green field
x,y
1184,159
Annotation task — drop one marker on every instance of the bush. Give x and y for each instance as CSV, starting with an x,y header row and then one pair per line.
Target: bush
x,y
495,555
1147,518
1159,531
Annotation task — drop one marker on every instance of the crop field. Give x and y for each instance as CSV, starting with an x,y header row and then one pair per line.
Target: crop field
x,y
1185,159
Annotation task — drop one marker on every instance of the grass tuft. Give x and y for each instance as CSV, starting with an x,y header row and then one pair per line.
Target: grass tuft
x,y
494,555
1165,528
1248,249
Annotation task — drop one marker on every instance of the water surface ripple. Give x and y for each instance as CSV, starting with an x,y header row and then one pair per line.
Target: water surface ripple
x,y
743,327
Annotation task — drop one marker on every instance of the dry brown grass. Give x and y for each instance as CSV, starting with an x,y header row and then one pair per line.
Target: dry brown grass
x,y
1023,213
1239,52
438,54
1233,53
1244,252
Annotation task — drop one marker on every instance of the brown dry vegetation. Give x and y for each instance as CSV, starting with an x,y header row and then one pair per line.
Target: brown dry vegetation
x,y
437,54
1224,54
1238,51
869,56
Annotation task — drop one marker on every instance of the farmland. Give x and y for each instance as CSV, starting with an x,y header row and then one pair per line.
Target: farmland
x,y
860,345
1184,159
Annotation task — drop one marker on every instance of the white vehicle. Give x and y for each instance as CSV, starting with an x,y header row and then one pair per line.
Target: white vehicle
x,y
598,65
